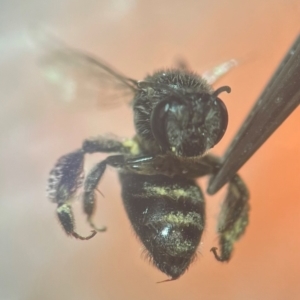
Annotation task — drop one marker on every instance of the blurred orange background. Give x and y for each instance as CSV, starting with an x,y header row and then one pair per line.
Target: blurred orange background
x,y
37,260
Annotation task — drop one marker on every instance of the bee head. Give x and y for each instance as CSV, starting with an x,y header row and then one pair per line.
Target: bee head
x,y
189,126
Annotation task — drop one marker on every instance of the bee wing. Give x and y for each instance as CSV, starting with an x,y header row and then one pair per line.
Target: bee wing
x,y
279,99
81,79
214,74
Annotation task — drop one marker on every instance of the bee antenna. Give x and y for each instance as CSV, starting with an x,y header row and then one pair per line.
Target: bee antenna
x,y
220,90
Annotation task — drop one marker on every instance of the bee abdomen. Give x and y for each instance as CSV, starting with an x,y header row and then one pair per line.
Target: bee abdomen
x,y
168,216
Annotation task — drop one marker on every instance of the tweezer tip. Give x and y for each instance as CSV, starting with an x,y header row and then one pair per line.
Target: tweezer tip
x,y
216,182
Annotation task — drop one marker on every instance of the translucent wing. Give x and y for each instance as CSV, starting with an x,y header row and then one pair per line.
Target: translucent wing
x,y
213,75
79,78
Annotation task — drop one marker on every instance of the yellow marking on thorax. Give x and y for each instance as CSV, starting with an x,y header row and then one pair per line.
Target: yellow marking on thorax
x,y
132,145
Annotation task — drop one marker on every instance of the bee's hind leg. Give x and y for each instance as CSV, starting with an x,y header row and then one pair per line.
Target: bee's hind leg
x,y
233,218
67,176
234,214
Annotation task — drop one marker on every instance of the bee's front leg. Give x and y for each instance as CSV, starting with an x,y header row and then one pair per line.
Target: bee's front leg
x,y
91,183
131,164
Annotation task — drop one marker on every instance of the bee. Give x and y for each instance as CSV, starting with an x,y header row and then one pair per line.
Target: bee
x,y
178,118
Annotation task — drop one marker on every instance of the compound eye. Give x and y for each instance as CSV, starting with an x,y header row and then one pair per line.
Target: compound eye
x,y
158,121
223,121
223,111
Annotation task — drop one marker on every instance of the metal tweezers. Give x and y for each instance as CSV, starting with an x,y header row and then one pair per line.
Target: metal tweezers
x,y
278,100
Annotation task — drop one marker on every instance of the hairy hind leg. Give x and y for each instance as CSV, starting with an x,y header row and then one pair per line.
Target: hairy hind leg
x,y
67,176
64,180
234,214
233,218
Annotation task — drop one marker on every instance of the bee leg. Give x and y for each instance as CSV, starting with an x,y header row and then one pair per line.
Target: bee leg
x,y
90,186
233,218
93,178
66,218
109,145
65,178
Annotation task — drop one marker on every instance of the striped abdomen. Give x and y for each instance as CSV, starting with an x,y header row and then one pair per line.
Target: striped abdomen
x,y
168,215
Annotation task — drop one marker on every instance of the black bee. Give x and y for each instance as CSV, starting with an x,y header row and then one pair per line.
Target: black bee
x,y
178,118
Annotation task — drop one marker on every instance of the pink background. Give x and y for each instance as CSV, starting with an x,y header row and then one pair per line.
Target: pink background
x,y
37,260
